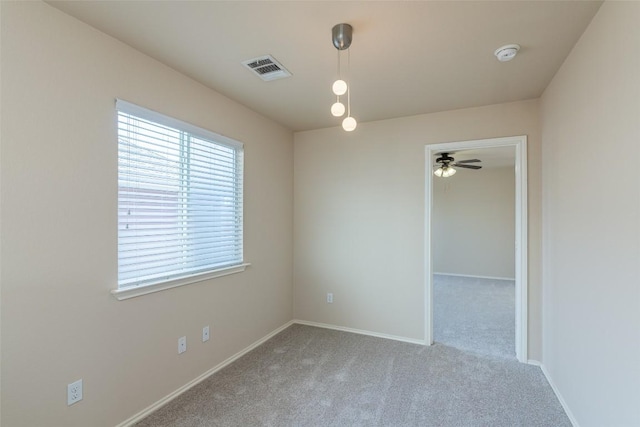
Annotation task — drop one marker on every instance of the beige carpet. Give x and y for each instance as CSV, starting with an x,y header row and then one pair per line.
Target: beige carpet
x,y
308,376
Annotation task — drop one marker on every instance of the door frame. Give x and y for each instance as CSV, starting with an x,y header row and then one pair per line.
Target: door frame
x,y
521,241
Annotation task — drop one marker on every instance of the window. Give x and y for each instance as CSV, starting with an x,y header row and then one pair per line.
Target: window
x,y
179,200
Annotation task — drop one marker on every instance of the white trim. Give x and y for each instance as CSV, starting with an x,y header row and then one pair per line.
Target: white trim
x,y
359,331
522,255
473,276
520,144
157,405
136,291
570,415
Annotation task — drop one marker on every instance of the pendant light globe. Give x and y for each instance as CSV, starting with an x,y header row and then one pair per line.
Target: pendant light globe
x,y
349,124
339,87
337,109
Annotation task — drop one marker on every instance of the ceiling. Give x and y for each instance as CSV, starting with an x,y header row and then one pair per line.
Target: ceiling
x,y
407,57
491,157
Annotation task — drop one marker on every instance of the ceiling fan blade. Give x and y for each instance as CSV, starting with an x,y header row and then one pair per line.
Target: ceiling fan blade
x,y
469,161
467,166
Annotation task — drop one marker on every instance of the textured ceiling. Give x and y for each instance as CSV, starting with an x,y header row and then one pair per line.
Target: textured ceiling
x,y
407,58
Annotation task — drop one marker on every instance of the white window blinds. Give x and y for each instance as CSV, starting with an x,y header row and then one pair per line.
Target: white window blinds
x,y
179,199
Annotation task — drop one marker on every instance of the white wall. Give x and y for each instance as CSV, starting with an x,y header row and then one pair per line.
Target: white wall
x,y
58,221
359,216
474,223
591,121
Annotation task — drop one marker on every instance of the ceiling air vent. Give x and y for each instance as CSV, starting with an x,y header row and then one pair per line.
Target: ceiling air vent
x,y
267,68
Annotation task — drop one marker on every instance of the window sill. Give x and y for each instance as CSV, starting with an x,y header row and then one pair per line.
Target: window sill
x,y
136,291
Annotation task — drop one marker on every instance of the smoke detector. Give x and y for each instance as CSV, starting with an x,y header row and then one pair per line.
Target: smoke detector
x,y
267,68
507,52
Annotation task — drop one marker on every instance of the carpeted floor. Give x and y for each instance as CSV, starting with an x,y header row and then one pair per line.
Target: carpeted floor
x,y
474,314
307,376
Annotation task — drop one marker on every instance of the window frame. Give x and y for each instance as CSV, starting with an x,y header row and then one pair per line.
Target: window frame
x,y
126,292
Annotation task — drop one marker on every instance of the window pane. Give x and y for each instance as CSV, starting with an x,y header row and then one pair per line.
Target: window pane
x,y
179,201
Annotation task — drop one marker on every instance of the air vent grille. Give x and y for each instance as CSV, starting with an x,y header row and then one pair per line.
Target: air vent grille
x,y
267,68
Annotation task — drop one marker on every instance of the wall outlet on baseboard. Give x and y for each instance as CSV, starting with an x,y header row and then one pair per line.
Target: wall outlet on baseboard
x,y
205,334
330,298
74,392
182,345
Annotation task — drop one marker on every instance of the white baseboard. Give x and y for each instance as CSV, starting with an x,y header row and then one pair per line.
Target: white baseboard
x,y
168,398
475,276
570,415
359,331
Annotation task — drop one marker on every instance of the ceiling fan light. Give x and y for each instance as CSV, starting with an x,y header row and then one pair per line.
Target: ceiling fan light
x,y
337,109
349,124
339,87
444,172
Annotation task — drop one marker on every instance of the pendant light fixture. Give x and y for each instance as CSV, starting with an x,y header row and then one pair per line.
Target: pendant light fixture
x,y
342,36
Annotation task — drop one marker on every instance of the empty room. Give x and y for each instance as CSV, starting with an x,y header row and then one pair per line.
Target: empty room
x,y
319,213
473,223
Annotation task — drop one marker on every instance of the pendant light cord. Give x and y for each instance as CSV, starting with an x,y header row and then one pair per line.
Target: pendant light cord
x,y
339,76
348,82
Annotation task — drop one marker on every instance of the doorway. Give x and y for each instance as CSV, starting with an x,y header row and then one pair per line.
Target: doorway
x,y
517,144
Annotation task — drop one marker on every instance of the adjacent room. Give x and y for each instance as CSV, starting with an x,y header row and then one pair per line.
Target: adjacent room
x,y
473,246
229,213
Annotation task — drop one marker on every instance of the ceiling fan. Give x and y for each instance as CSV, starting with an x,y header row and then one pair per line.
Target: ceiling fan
x,y
445,165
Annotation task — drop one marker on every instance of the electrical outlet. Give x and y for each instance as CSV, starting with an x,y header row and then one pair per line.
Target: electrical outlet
x,y
330,298
205,334
74,392
182,345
